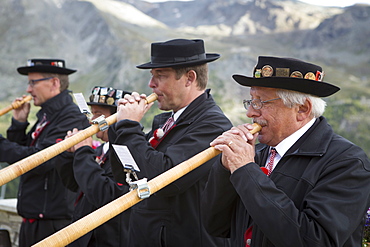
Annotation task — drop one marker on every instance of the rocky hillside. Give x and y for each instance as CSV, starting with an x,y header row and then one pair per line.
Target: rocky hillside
x,y
105,39
230,17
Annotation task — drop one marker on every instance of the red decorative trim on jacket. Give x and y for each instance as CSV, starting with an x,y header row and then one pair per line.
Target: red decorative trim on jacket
x,y
158,136
264,169
39,128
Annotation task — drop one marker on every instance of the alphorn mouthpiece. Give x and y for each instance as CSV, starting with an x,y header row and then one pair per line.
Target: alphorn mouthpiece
x,y
257,128
151,98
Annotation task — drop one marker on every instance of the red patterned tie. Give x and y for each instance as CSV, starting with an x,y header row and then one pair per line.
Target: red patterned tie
x,y
168,124
270,165
39,128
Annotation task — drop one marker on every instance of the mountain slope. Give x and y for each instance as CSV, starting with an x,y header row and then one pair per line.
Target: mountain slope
x,y
105,39
237,17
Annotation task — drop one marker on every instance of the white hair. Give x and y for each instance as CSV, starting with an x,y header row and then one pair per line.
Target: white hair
x,y
291,98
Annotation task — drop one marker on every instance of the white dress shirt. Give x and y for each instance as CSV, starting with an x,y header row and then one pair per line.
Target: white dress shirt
x,y
288,142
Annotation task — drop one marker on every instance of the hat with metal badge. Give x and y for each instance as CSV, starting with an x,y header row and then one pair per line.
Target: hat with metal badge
x,y
105,96
290,74
56,66
178,53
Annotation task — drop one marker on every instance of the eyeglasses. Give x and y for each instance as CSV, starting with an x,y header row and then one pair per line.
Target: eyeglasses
x,y
255,103
32,83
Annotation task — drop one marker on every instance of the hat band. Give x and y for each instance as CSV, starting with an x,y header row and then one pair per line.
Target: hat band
x,y
31,63
178,59
270,71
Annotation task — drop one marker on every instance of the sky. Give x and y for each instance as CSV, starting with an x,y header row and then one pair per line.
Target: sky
x,y
338,3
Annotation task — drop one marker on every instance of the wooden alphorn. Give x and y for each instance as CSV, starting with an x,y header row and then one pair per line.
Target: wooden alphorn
x,y
15,105
91,221
15,170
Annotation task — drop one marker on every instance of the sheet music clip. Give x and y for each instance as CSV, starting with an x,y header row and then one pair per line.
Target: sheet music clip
x,y
129,171
128,163
80,100
87,114
101,122
141,185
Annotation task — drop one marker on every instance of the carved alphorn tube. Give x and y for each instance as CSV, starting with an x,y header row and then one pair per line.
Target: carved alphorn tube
x,y
91,221
15,170
15,105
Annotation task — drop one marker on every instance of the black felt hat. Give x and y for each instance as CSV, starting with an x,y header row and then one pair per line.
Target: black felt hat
x,y
290,74
56,66
106,96
178,53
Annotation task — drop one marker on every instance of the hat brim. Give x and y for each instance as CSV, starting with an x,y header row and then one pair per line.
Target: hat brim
x,y
44,69
210,57
317,88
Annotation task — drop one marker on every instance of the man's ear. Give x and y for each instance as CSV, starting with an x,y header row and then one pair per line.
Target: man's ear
x,y
56,84
304,111
191,77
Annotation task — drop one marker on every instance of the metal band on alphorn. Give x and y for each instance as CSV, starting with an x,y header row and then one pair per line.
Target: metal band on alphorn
x,y
100,216
15,170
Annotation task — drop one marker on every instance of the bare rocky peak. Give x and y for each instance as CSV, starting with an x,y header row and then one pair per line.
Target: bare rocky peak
x,y
238,17
349,28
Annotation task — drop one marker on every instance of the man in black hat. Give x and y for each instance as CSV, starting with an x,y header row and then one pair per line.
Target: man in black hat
x,y
316,188
171,217
89,173
44,203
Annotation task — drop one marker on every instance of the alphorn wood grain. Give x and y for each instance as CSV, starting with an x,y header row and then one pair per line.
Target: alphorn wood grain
x,y
100,216
16,169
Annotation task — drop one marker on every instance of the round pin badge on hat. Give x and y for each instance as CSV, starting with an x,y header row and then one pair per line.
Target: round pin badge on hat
x,y
288,75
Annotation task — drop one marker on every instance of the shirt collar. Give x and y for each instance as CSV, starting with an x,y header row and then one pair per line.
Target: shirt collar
x,y
177,114
288,142
105,147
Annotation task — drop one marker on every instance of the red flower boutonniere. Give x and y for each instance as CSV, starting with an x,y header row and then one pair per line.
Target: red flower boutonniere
x,y
157,135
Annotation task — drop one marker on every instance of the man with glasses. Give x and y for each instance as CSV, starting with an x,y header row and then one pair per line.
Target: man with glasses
x,y
316,189
44,203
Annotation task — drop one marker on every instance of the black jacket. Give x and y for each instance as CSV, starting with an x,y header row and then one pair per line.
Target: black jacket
x,y
317,195
96,187
171,217
41,194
